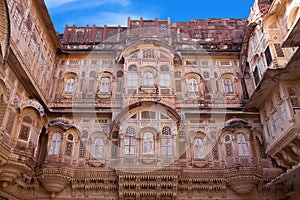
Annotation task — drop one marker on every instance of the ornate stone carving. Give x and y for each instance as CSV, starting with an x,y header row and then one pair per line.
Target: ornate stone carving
x,y
61,121
54,183
242,184
95,163
34,104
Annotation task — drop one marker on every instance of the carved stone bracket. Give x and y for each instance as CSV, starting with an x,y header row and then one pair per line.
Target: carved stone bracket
x,y
54,183
242,184
199,164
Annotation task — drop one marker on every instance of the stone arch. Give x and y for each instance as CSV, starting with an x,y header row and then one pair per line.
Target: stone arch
x,y
236,123
131,109
149,129
196,134
130,49
33,104
96,145
200,81
5,30
62,122
28,128
97,134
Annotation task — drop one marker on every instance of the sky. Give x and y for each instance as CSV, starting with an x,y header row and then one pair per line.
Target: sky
x,y
116,12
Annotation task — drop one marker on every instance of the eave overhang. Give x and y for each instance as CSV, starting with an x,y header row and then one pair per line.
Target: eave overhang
x,y
293,36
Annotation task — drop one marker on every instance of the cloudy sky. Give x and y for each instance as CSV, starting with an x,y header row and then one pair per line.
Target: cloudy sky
x,y
115,12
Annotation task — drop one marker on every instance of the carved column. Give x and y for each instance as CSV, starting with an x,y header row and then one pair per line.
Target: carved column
x,y
121,156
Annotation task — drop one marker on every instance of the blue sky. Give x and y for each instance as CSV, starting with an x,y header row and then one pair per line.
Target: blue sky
x,y
115,12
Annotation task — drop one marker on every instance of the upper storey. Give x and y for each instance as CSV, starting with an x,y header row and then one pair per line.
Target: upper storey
x,y
224,34
33,48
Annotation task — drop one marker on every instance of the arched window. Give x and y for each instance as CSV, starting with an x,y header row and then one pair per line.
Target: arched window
x,y
228,86
98,148
148,79
55,144
105,85
199,148
192,85
70,86
25,128
79,36
166,142
129,141
69,145
165,76
243,149
148,143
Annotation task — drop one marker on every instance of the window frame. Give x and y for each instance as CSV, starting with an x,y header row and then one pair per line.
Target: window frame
x,y
25,125
149,79
242,145
228,85
201,149
17,18
276,121
148,143
98,148
131,144
69,86
193,85
69,146
283,110
57,141
105,85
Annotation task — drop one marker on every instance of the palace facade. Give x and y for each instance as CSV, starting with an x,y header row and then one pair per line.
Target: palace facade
x,y
204,109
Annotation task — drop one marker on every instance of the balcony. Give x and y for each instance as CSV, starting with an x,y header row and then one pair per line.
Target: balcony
x,y
292,38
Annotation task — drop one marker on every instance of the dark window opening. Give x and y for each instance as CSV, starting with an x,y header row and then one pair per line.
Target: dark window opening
x,y
256,76
268,56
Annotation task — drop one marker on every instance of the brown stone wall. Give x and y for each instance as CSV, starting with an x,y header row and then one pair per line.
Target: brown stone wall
x,y
214,30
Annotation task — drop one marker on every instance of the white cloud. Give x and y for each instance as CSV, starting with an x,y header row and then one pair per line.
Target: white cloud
x,y
82,12
52,4
68,5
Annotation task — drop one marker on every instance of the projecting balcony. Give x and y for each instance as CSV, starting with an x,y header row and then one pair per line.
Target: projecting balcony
x,y
292,38
285,149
